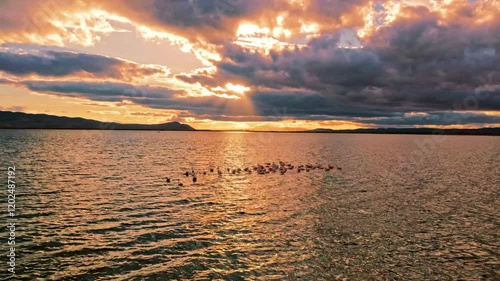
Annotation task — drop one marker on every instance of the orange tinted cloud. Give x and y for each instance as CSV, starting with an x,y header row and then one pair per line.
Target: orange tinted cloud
x,y
364,62
30,61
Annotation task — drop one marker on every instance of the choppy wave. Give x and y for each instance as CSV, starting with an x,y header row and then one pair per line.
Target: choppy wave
x,y
94,205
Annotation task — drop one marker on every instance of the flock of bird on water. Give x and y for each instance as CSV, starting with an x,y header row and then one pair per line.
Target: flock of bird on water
x,y
268,168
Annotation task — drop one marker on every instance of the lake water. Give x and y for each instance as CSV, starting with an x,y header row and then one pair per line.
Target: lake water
x,y
94,205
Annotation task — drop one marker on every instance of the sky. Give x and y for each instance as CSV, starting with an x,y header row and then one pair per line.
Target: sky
x,y
255,64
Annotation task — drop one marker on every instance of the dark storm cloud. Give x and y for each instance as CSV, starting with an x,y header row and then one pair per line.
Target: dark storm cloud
x,y
216,21
423,51
105,91
55,63
154,97
210,20
310,105
435,118
320,64
412,65
45,62
268,105
199,12
213,21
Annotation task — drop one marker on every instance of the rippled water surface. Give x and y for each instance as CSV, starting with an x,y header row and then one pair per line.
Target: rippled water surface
x,y
94,205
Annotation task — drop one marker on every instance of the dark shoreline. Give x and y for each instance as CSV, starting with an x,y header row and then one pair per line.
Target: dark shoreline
x,y
496,133
27,121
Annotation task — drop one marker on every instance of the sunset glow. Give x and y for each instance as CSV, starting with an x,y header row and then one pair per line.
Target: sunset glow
x,y
325,64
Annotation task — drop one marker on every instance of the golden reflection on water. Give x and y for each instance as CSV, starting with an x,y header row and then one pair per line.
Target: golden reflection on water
x,y
96,205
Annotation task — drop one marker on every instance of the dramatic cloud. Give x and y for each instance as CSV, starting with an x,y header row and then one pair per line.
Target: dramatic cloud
x,y
26,61
155,97
435,118
399,80
378,63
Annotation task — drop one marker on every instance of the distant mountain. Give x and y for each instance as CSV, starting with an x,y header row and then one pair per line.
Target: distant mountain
x,y
425,131
18,120
322,130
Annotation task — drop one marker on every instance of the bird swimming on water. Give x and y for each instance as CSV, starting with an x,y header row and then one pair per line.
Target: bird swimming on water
x,y
268,167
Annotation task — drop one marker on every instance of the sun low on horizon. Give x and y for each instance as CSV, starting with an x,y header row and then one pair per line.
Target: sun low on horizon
x,y
255,65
